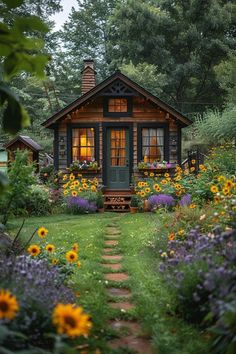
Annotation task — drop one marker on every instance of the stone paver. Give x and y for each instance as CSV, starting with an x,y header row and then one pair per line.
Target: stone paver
x,y
113,231
111,243
116,276
119,292
112,257
126,326
116,266
108,250
124,305
140,345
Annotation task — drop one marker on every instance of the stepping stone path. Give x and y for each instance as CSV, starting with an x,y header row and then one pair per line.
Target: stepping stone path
x,y
129,333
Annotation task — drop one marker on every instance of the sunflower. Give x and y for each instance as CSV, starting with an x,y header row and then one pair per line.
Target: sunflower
x,y
181,232
64,178
143,194
65,185
151,174
34,250
72,187
202,167
83,180
157,187
166,175
75,247
226,190
177,186
76,183
80,189
145,173
193,162
164,181
140,184
147,190
72,177
93,188
214,189
50,248
78,264
71,320
8,305
171,236
192,206
221,179
79,175
85,186
217,199
42,232
192,169
74,193
55,261
71,256
229,183
65,192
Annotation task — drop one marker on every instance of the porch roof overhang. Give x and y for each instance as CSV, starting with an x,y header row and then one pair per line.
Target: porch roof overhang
x,y
50,122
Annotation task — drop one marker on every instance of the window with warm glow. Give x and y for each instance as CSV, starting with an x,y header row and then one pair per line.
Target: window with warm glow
x,y
83,144
117,105
152,144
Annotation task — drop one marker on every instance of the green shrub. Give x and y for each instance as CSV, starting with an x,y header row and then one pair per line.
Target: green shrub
x,y
39,202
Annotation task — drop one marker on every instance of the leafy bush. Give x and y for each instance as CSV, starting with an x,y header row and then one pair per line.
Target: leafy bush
x,y
21,179
39,202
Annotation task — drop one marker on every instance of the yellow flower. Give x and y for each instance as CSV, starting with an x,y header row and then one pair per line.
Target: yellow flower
x,y
8,305
181,232
172,253
192,206
177,186
42,232
171,236
79,175
202,167
78,264
50,248
214,189
72,177
76,183
140,184
166,175
64,178
157,187
71,256
143,194
75,247
80,189
229,183
146,173
71,320
192,169
147,190
65,192
163,255
217,199
226,190
74,193
72,187
65,185
34,250
83,180
193,162
93,188
151,174
221,179
55,261
163,181
85,186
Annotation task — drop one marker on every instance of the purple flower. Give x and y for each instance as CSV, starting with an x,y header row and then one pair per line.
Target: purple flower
x,y
79,205
160,200
185,200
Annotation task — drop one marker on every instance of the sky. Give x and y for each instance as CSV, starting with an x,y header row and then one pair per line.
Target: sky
x,y
62,16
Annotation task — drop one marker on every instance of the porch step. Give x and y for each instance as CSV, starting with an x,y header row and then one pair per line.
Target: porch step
x,y
118,201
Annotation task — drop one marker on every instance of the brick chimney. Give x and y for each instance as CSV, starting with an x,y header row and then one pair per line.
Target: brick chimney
x,y
88,76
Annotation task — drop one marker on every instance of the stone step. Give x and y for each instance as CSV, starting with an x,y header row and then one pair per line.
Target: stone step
x,y
116,276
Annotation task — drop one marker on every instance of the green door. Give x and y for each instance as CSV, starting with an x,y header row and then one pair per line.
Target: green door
x,y
118,158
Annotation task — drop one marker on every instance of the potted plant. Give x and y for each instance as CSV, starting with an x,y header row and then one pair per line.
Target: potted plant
x,y
100,203
134,205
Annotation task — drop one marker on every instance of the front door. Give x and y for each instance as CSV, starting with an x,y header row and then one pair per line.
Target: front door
x,y
118,158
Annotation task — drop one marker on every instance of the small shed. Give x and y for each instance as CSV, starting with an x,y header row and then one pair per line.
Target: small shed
x,y
3,159
23,142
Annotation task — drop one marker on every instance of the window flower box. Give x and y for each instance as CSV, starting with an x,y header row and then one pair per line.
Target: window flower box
x,y
83,167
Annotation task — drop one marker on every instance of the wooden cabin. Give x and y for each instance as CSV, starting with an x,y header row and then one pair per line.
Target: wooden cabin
x,y
23,142
117,123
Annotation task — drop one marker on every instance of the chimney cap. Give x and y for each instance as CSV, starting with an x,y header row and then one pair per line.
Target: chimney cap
x,y
88,63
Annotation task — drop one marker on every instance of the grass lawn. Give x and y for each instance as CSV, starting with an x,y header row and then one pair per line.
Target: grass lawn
x,y
150,294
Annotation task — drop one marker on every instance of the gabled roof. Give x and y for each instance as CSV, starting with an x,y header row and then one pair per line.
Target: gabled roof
x,y
97,89
26,140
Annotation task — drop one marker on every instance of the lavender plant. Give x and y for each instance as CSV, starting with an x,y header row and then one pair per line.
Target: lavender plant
x,y
78,205
160,200
38,288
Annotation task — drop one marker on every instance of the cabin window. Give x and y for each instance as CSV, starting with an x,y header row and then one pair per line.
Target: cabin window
x,y
83,144
117,105
152,144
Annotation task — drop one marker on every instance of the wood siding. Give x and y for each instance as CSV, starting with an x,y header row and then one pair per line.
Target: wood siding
x,y
143,112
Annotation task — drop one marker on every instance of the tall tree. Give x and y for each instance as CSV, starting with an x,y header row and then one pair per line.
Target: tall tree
x,y
85,33
185,39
